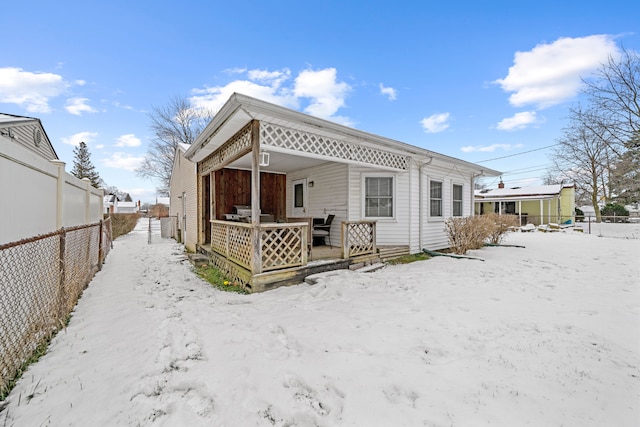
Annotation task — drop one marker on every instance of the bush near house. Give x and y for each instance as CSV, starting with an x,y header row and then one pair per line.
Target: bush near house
x,y
579,215
473,232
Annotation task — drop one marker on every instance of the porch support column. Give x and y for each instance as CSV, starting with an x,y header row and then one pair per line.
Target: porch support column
x,y
520,212
256,262
541,212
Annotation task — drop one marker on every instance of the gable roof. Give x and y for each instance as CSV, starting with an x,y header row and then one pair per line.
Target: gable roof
x,y
28,132
240,109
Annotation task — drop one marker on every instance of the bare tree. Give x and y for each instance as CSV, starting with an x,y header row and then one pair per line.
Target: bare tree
x,y
173,124
583,156
614,92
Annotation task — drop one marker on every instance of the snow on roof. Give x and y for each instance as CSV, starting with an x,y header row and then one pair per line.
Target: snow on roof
x,y
536,190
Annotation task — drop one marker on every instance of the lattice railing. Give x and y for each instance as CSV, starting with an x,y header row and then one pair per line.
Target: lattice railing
x,y
232,240
280,136
358,238
281,245
237,145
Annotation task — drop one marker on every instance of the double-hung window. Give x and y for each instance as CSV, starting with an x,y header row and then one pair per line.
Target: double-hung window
x,y
435,198
457,200
378,197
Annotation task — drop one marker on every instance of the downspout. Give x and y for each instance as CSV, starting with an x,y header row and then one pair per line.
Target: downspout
x,y
421,202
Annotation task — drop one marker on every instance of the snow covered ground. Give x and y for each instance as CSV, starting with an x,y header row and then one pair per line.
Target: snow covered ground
x,y
545,335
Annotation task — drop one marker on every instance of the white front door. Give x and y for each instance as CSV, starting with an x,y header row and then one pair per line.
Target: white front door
x,y
299,197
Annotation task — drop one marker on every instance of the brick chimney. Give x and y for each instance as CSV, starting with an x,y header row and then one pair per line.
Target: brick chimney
x,y
501,184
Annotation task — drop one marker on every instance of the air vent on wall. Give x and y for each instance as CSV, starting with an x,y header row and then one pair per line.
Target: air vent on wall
x,y
37,136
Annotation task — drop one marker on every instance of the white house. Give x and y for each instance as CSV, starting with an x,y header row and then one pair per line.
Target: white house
x,y
281,171
182,198
42,197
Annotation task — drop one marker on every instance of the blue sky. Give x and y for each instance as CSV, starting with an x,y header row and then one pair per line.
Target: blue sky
x,y
473,80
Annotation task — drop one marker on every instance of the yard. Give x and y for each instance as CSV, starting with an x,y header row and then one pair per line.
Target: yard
x,y
543,335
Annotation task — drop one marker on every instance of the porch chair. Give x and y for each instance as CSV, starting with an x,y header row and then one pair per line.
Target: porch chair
x,y
323,230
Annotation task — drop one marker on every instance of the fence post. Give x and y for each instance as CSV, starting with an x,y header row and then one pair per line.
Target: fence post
x,y
100,250
149,239
87,200
61,295
59,192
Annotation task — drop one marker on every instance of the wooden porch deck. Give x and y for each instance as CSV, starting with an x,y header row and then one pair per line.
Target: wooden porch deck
x,y
322,259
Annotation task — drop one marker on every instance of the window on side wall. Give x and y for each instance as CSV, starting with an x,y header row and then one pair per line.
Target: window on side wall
x,y
457,200
378,197
435,198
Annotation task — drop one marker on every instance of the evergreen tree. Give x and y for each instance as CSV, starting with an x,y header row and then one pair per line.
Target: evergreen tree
x,y
82,166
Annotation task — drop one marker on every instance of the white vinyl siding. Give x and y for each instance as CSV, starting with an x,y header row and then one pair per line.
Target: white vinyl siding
x,y
329,194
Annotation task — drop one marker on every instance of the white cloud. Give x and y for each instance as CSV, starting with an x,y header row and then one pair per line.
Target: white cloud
x,y
518,121
125,161
30,90
435,123
86,137
490,148
77,106
390,92
129,140
324,93
551,73
272,78
212,99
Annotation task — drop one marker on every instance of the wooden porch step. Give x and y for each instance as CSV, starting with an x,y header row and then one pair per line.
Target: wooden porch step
x,y
387,253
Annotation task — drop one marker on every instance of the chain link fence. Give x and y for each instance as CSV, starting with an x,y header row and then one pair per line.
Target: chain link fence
x,y
41,279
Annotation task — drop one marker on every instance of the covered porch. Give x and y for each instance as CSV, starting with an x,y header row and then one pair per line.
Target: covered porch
x,y
263,185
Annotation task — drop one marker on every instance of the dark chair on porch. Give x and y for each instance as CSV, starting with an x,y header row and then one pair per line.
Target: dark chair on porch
x,y
322,230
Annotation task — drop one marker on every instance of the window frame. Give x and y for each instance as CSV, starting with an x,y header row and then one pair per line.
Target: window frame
x,y
454,200
394,193
441,199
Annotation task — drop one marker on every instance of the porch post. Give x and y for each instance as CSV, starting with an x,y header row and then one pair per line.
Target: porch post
x,y
541,212
256,262
520,212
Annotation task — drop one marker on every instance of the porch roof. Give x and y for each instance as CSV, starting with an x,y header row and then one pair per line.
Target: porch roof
x,y
240,109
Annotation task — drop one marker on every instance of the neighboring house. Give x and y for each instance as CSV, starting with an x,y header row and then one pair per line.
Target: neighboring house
x,y
113,205
109,204
42,197
537,205
281,169
182,198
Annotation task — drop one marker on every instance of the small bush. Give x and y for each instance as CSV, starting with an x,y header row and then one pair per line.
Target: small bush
x,y
579,215
615,209
473,232
122,224
499,226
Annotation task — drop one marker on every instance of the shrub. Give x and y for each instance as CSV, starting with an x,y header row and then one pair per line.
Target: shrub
x,y
122,224
579,215
615,209
499,226
473,232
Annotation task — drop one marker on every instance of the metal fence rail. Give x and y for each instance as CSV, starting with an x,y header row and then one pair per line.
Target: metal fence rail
x,y
41,279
